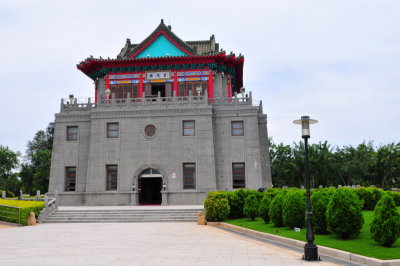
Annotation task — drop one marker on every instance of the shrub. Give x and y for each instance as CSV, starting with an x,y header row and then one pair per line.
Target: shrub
x,y
217,209
385,225
396,197
343,214
243,194
234,205
263,210
251,206
26,208
275,212
370,196
294,207
272,192
319,203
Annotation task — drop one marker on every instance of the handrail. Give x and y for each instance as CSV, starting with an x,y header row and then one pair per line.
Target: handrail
x,y
8,217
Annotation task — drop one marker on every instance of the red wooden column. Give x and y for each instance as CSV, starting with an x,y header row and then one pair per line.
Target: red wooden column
x,y
141,86
229,87
176,83
210,85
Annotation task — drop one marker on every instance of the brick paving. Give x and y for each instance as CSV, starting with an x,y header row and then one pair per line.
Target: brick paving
x,y
138,244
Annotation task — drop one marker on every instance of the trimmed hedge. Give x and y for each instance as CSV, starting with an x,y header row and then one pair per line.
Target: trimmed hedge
x,y
319,202
251,206
385,225
217,208
396,197
370,196
26,208
276,208
263,211
294,208
343,214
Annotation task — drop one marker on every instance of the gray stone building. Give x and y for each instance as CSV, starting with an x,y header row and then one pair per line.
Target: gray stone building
x,y
170,122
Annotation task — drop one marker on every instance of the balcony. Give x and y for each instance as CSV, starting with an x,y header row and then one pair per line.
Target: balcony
x,y
73,104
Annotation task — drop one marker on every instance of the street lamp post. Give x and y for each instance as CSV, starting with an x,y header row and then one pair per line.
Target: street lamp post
x,y
310,249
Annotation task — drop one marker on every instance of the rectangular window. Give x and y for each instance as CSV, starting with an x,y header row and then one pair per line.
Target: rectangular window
x,y
72,133
188,128
112,130
112,177
189,176
238,175
70,178
237,128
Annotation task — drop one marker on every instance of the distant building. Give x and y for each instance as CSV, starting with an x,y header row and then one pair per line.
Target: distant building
x,y
168,124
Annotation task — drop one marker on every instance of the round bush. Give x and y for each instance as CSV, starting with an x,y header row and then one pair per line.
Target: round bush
x,y
396,197
275,212
234,205
251,206
263,211
370,196
294,209
319,203
343,214
385,225
217,209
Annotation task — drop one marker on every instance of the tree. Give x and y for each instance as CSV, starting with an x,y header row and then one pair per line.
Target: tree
x,y
388,165
294,206
385,225
264,208
35,171
8,162
284,170
251,206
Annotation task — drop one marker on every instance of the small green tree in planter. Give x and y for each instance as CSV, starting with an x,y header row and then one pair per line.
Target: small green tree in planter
x,y
385,225
263,211
319,203
217,209
251,206
294,207
275,211
343,214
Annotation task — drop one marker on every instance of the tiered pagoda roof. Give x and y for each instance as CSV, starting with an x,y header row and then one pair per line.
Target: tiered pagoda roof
x,y
175,54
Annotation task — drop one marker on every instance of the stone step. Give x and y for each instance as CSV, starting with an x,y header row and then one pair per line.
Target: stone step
x,y
98,216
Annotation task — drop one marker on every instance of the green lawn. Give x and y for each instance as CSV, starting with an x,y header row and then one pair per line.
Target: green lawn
x,y
362,245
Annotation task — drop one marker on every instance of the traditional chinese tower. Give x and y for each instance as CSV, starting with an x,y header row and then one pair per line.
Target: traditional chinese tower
x,y
170,122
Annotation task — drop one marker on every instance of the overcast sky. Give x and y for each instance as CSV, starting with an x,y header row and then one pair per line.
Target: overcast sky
x,y
336,61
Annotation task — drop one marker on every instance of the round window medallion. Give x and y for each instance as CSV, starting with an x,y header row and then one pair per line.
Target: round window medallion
x,y
150,130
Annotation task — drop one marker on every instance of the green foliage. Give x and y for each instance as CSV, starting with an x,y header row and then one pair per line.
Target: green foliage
x,y
272,192
385,226
9,194
234,206
276,208
35,171
26,207
388,165
242,195
396,197
251,206
294,208
319,202
263,210
343,214
217,209
8,162
370,196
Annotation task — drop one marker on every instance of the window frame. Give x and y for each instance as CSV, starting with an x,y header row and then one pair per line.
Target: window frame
x,y
110,183
238,128
68,182
112,130
188,128
186,184
242,181
72,136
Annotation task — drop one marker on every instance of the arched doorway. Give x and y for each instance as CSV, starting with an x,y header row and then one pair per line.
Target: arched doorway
x,y
150,185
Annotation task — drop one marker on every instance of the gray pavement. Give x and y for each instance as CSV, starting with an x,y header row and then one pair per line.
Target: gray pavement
x,y
138,244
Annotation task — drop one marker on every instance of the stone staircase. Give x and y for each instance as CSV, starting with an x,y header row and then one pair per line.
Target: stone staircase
x,y
135,215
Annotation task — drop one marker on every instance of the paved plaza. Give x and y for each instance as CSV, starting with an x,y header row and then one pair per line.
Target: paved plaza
x,y
138,244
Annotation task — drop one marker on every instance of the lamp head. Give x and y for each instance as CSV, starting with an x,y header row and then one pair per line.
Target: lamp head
x,y
305,122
